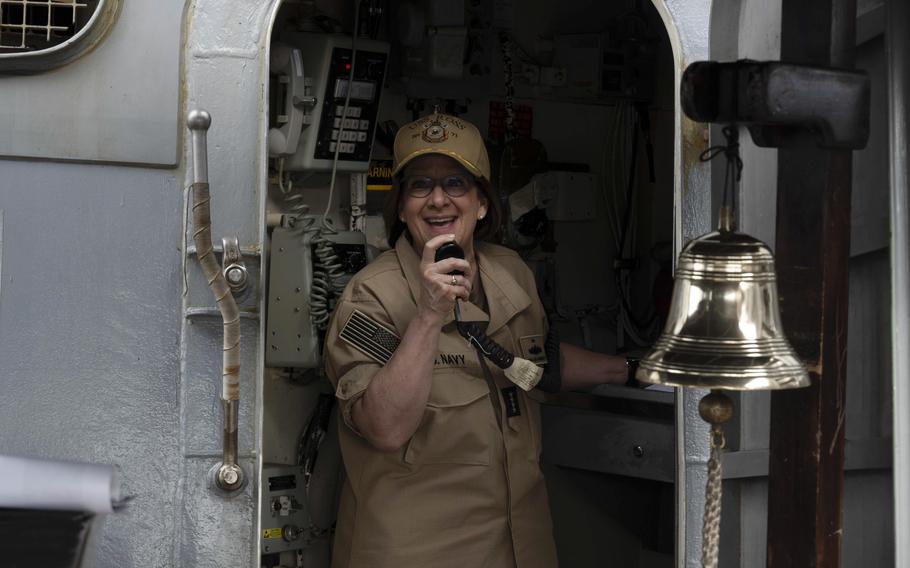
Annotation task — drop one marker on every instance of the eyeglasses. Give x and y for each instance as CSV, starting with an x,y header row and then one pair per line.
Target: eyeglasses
x,y
454,186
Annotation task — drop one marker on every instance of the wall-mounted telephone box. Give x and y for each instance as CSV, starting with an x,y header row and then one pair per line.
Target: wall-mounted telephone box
x,y
292,338
315,100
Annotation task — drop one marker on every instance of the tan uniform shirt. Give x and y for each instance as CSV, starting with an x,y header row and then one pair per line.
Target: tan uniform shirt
x,y
466,491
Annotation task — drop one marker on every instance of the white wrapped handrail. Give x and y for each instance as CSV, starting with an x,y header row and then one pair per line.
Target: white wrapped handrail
x,y
229,475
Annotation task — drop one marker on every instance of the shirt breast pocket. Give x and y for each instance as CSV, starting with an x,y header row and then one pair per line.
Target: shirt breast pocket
x,y
457,426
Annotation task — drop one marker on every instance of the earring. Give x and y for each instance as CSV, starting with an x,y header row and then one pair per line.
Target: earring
x,y
480,217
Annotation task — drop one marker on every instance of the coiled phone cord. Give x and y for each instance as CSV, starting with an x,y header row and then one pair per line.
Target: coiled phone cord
x,y
328,274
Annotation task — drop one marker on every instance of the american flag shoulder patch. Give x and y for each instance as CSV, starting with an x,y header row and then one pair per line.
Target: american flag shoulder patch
x,y
369,337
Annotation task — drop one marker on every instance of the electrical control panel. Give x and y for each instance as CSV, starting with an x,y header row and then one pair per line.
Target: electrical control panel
x,y
285,517
601,65
327,66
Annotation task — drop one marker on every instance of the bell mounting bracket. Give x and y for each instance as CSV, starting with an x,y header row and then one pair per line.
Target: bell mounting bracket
x,y
783,105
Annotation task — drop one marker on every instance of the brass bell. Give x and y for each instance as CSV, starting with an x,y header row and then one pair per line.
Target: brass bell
x,y
724,330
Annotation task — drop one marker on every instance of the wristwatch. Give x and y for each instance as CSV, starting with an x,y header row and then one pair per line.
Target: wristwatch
x,y
631,367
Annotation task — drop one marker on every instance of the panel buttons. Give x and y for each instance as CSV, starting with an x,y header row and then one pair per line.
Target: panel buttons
x,y
364,125
353,111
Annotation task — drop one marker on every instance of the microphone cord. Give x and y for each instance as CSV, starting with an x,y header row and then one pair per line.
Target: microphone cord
x,y
476,336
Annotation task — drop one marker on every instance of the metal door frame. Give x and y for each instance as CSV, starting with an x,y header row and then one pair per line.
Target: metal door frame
x,y
688,27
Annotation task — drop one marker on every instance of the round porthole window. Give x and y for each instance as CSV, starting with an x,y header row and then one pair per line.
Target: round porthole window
x,y
36,35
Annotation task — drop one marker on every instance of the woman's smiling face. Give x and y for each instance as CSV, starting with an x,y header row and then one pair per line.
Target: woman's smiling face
x,y
440,213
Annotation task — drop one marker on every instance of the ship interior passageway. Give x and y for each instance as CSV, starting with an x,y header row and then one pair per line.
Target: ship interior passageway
x,y
575,100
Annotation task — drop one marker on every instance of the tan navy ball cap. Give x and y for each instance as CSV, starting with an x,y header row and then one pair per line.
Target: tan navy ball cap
x,y
446,135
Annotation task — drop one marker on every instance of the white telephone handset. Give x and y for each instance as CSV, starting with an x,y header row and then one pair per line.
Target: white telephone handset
x,y
287,63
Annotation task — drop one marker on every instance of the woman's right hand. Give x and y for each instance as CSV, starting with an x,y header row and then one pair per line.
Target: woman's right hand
x,y
438,293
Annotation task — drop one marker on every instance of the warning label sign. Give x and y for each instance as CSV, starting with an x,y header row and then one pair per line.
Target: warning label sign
x,y
379,176
271,533
379,184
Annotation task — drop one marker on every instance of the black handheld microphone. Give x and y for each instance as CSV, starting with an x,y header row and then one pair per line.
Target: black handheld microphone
x,y
450,250
520,371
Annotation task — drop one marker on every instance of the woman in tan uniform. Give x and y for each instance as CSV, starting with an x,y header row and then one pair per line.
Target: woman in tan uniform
x,y
441,449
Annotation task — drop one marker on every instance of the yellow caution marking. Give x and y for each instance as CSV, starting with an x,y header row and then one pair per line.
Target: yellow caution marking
x,y
378,171
271,533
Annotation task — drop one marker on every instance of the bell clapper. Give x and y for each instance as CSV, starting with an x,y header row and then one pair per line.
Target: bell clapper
x,y
715,408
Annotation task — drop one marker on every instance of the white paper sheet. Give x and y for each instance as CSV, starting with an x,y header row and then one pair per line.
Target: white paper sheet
x,y
27,483
522,201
